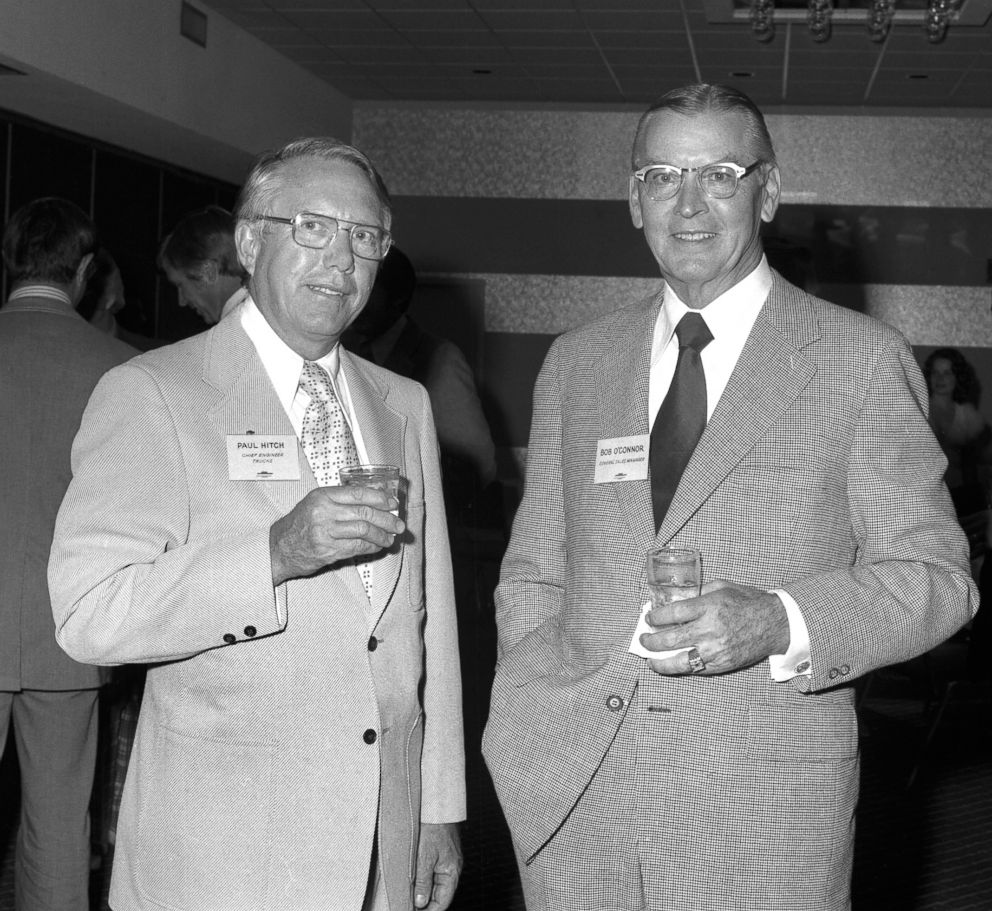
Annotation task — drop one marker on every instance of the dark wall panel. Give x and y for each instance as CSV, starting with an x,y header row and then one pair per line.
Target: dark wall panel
x,y
46,164
513,360
844,244
126,194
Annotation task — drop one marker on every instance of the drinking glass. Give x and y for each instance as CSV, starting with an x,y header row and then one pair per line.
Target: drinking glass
x,y
379,477
673,574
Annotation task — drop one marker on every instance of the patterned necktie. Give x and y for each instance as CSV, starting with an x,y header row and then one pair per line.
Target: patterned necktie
x,y
326,438
681,418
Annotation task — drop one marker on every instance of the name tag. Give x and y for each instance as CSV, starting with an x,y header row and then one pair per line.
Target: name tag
x,y
622,459
263,457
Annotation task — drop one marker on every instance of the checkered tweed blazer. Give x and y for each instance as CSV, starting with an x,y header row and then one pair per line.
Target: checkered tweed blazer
x,y
817,474
252,785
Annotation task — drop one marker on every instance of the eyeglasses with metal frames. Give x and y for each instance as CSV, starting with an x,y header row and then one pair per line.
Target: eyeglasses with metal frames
x,y
718,181
318,231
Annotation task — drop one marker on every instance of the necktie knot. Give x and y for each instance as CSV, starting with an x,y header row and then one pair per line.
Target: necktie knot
x,y
693,332
315,381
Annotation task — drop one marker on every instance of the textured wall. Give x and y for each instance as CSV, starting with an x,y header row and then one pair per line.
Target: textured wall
x,y
895,214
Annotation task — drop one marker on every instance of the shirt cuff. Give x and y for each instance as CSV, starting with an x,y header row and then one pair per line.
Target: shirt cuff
x,y
796,661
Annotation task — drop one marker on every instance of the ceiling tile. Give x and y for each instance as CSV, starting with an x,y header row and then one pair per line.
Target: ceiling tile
x,y
533,19
343,20
469,56
573,50
535,5
454,38
386,38
557,56
658,20
416,5
379,56
317,5
545,39
435,20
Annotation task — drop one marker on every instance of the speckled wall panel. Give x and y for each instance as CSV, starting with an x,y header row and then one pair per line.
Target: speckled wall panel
x,y
835,159
531,202
427,151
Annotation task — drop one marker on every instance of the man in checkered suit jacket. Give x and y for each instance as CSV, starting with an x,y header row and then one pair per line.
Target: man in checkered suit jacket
x,y
723,774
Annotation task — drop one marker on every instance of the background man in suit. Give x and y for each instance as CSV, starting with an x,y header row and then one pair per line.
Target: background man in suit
x,y
50,360
199,257
724,775
299,744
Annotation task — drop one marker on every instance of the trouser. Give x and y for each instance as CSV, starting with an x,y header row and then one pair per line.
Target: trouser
x,y
55,734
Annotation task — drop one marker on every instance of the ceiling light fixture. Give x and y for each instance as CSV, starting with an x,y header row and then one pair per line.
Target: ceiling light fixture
x,y
880,19
878,15
938,16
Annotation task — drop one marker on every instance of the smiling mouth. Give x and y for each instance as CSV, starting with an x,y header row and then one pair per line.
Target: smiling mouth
x,y
327,290
693,236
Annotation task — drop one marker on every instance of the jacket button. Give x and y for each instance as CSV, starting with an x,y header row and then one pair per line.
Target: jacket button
x,y
250,631
834,673
373,643
369,736
845,669
614,703
230,638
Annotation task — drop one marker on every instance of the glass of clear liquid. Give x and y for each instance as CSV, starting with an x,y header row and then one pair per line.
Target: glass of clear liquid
x,y
673,574
380,477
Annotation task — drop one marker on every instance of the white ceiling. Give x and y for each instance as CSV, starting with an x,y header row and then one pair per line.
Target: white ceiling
x,y
620,52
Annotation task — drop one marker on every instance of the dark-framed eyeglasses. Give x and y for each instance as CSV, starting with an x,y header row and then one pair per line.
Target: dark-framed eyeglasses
x,y
718,181
318,231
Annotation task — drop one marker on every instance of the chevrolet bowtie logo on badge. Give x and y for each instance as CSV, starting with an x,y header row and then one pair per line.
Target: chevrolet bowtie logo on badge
x,y
264,474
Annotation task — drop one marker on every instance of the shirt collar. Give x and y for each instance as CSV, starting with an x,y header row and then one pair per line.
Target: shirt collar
x,y
50,292
281,362
731,314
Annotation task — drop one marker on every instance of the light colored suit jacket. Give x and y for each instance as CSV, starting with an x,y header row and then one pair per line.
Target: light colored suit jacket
x,y
255,780
50,360
817,474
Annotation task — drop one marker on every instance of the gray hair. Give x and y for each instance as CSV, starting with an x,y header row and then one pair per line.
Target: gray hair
x,y
702,98
263,180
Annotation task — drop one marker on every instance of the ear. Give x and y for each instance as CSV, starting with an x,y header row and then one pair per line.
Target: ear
x,y
634,200
770,193
247,240
78,284
82,270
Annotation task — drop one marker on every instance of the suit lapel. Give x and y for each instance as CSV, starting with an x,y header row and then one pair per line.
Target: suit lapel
x,y
770,374
248,404
623,408
383,431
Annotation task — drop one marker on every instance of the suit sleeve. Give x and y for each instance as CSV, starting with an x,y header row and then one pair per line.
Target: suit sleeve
x,y
442,768
531,591
128,582
910,586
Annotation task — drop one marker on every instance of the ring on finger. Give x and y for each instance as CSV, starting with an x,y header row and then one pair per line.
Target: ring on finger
x,y
696,663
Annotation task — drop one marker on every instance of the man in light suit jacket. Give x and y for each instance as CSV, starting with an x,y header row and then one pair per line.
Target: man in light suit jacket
x,y
711,761
50,360
299,745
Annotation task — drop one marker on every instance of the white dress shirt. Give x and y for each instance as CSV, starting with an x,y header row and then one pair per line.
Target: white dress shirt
x,y
729,318
284,366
